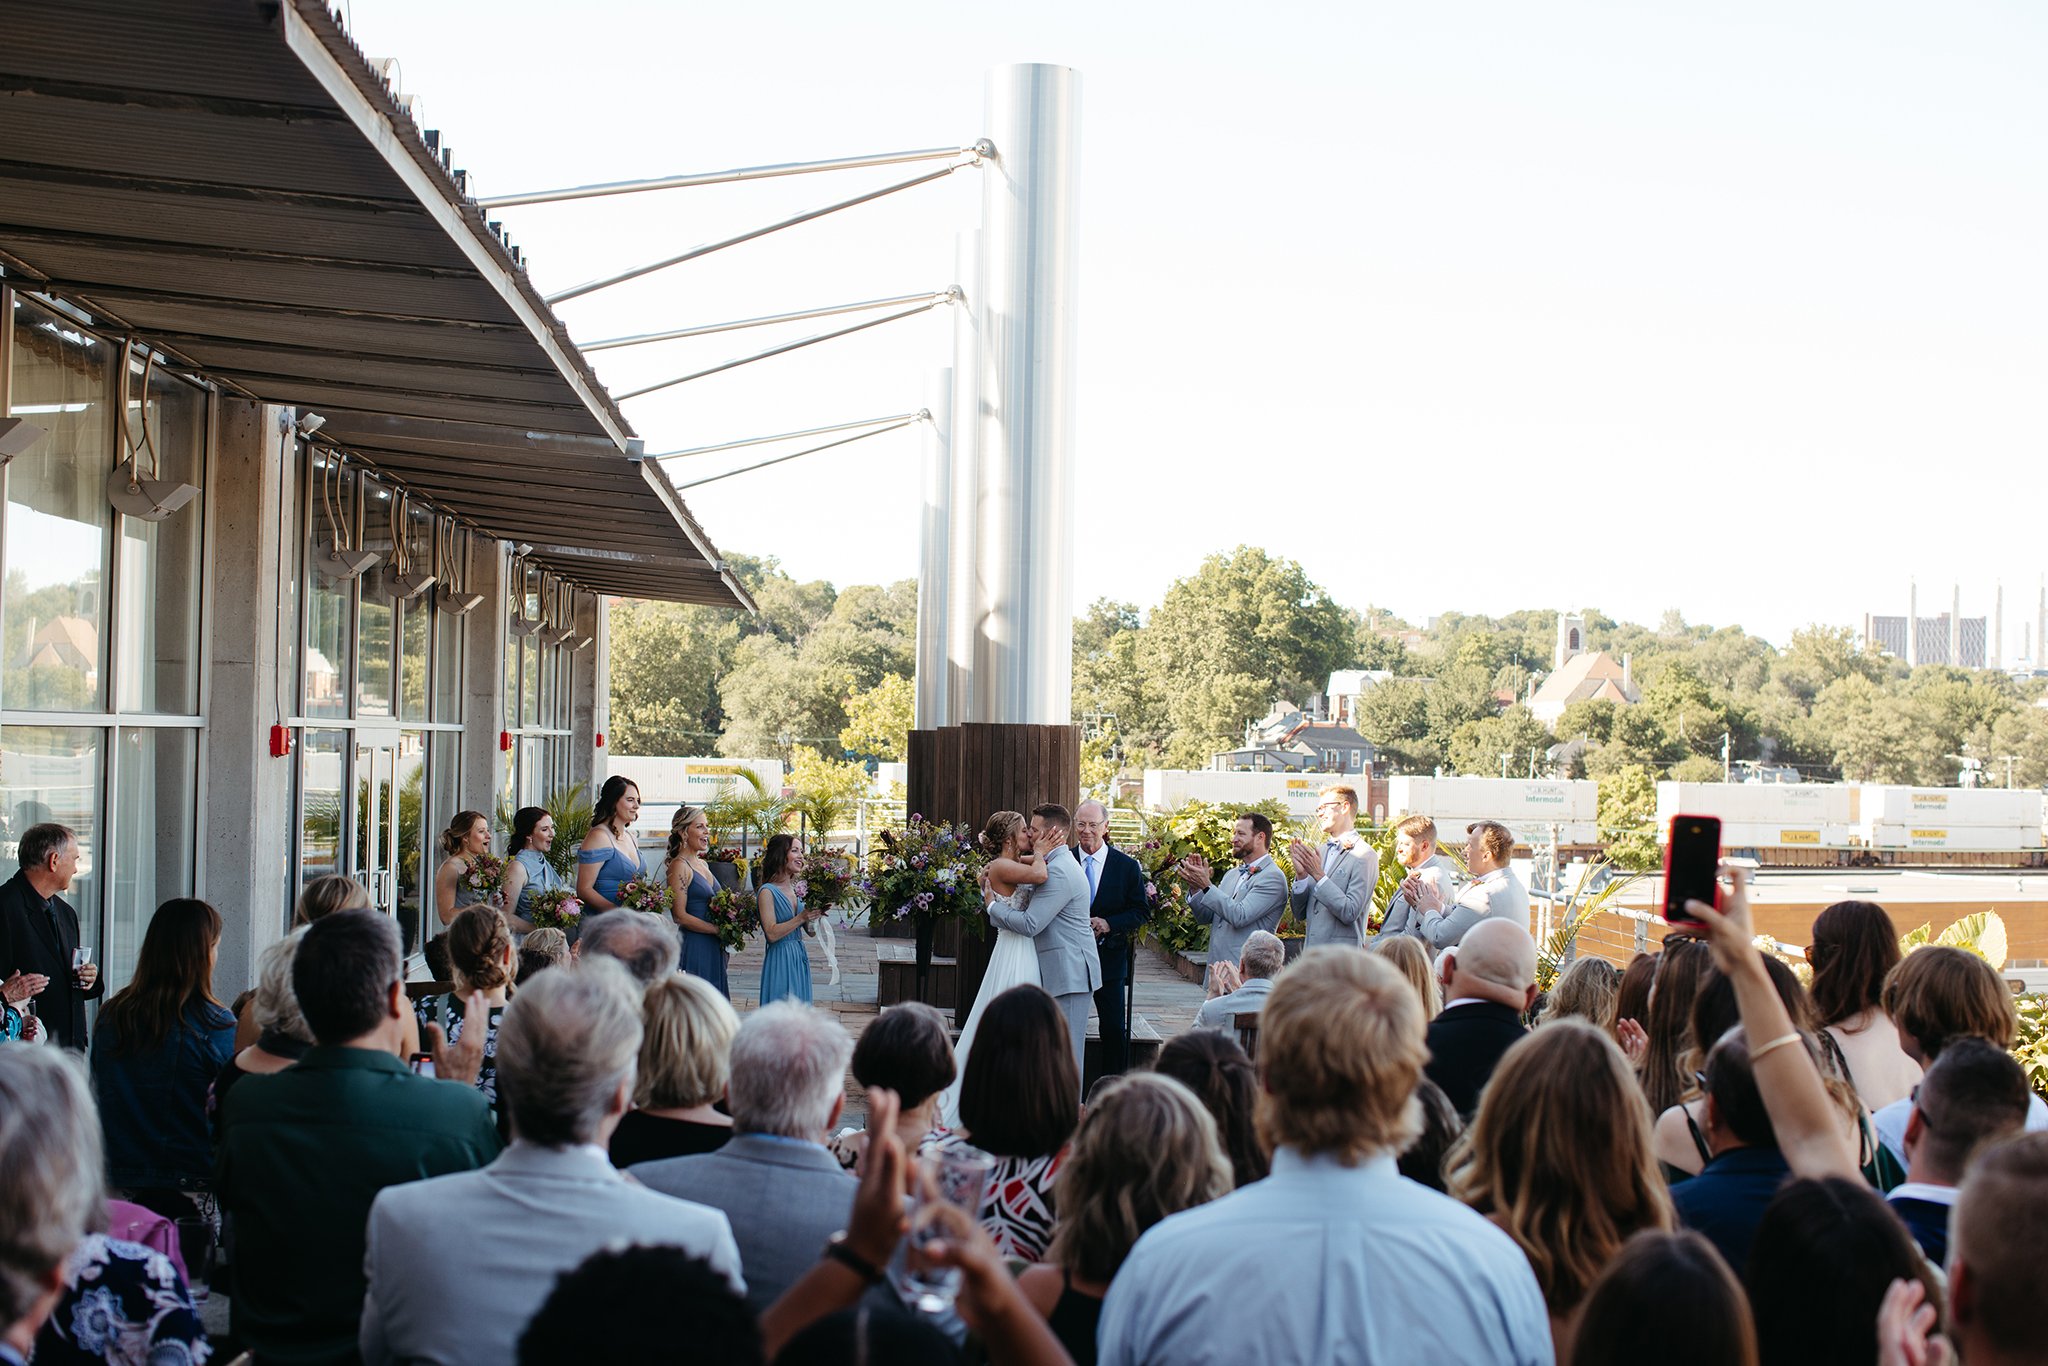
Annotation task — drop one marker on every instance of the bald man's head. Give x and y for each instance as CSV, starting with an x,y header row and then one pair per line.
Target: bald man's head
x,y
1091,823
1495,961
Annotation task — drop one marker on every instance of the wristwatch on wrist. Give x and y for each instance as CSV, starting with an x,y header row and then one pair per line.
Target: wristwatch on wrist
x,y
841,1252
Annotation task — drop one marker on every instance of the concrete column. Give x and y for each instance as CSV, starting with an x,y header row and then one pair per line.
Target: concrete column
x,y
247,840
588,696
483,679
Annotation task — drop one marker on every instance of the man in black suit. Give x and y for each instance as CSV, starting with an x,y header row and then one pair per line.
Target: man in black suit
x,y
1489,981
1116,909
39,931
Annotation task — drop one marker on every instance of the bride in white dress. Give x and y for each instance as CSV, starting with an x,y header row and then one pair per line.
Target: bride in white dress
x,y
1012,871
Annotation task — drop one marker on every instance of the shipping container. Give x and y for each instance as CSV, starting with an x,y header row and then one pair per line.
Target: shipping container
x,y
1166,788
1805,805
1948,806
1512,801
1977,838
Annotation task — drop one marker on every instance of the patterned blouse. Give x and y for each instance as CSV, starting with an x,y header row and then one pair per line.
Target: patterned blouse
x,y
122,1304
446,1011
1017,1212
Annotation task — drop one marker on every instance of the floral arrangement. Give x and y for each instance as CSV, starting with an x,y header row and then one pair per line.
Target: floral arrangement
x,y
646,894
556,910
733,912
726,855
822,879
929,868
484,874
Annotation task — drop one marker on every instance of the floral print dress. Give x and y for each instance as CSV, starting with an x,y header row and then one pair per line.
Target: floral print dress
x,y
446,1011
122,1304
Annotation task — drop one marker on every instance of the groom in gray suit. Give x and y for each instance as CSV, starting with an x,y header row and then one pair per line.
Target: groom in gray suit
x,y
1056,918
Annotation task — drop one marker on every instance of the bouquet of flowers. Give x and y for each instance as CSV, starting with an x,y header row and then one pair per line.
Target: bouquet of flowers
x,y
557,910
728,854
646,894
1160,857
928,868
485,873
734,912
822,879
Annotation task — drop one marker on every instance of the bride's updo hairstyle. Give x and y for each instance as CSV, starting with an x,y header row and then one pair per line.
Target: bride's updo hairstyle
x,y
997,832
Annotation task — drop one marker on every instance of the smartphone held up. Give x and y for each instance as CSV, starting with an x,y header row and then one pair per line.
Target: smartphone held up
x,y
423,1064
1692,866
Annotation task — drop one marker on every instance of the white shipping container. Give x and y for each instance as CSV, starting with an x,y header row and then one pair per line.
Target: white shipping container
x,y
1514,802
1949,806
1984,839
1166,788
1801,805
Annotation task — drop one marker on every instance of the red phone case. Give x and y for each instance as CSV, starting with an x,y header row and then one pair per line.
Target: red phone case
x,y
1675,913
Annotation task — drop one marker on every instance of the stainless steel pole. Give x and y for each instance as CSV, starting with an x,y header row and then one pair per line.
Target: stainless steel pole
x,y
964,504
933,581
1024,651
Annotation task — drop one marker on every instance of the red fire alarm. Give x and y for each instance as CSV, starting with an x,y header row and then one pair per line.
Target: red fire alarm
x,y
280,741
505,740
600,739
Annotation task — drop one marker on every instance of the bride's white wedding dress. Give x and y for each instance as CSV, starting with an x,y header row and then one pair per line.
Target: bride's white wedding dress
x,y
1014,963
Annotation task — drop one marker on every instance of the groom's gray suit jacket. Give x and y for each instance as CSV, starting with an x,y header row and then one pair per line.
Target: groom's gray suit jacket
x,y
1056,918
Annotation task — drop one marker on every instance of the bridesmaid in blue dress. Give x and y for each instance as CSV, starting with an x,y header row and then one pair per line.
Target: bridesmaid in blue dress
x,y
607,860
691,884
786,967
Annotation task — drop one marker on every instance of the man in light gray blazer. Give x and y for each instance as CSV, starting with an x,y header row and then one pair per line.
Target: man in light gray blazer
x,y
1415,847
1337,880
1253,895
1056,918
458,1264
1263,957
783,1190
1493,892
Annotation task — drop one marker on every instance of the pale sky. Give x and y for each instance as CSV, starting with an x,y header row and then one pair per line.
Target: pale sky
x,y
1736,308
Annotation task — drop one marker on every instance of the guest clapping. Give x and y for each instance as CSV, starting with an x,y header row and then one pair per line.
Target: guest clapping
x,y
1336,879
1493,893
481,958
685,1065
467,839
1253,895
1258,963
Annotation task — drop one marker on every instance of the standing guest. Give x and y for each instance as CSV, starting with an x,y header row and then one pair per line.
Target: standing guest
x,y
1560,1158
1489,982
1117,909
1854,947
1415,848
1681,1130
1337,878
282,1037
1727,1200
162,1039
1663,1068
528,873
907,1050
649,947
691,886
1998,1256
1215,1068
607,859
1666,1298
784,1192
18,1022
540,950
687,1030
39,933
1423,1159
467,839
549,1201
1493,893
1825,1254
1258,963
1936,996
1586,990
304,1152
1406,953
786,964
1973,1096
1019,1102
1632,996
51,1192
1146,1149
1253,895
327,894
1341,1048
480,958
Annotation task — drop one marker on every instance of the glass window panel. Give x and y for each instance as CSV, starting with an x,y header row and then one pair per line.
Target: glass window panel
x,y
52,773
320,808
156,665
512,644
412,836
443,784
58,518
533,771
155,821
415,618
375,623
529,682
329,605
448,629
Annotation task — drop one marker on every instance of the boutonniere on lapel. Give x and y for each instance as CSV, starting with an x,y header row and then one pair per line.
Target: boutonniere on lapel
x,y
1348,840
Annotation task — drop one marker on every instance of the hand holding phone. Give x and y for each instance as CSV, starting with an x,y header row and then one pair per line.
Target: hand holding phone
x,y
423,1064
1692,866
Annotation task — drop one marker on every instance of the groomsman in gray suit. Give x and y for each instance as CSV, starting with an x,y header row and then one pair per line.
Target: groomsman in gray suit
x,y
1056,918
1415,847
1253,894
1338,879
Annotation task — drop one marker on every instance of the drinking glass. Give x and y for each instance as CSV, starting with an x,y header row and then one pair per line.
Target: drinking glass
x,y
955,1175
80,956
195,1245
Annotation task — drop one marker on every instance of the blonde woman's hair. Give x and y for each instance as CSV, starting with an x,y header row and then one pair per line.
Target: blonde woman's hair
x,y
477,941
686,1051
684,815
326,895
1587,990
459,828
1561,1155
1146,1148
546,942
276,1005
1340,1049
1406,953
997,832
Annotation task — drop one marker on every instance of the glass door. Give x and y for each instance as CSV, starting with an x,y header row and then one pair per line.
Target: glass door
x,y
376,823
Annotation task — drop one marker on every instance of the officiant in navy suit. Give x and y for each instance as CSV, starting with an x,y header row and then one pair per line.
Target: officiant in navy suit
x,y
1117,910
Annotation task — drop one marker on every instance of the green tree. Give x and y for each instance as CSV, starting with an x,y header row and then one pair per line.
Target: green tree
x,y
1592,717
1820,655
1477,746
1627,816
776,699
2024,735
1395,717
1875,735
1696,768
878,720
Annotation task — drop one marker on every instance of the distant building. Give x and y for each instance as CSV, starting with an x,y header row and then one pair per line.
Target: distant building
x,y
1299,744
1963,646
1339,701
1581,678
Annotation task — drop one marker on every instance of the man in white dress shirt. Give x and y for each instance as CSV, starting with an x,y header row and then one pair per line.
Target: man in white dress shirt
x,y
1336,881
1415,848
1493,890
1253,895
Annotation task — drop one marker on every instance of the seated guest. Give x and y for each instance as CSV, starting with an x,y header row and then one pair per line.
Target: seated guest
x,y
480,958
1489,980
1406,952
1215,1068
685,1059
325,895
1415,846
1974,1095
122,1302
909,1050
784,1192
51,1191
1666,1298
1019,1102
1936,995
161,1041
1586,990
1341,1048
1145,1149
1998,1255
1494,892
1424,1158
1560,1158
1825,1254
1258,963
1854,946
1252,896
281,1034
540,950
622,1305
650,946
566,1052
304,1152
